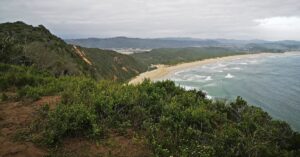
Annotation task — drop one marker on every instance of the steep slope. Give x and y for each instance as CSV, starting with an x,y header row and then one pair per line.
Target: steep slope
x,y
110,64
36,46
24,44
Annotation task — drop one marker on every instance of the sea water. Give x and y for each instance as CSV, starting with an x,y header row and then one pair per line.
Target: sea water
x,y
270,82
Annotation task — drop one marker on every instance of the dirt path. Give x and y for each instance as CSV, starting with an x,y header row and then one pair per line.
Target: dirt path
x,y
16,117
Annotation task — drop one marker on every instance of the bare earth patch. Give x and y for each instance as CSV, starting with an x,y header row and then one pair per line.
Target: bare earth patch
x,y
82,55
16,116
115,145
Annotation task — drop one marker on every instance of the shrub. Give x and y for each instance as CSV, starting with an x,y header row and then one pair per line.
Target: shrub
x,y
176,122
81,90
19,77
70,121
3,97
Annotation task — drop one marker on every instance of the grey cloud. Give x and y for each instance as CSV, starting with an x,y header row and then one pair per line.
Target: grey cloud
x,y
154,18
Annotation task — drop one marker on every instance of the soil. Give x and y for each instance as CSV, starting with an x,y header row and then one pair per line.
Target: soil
x,y
16,117
82,55
114,146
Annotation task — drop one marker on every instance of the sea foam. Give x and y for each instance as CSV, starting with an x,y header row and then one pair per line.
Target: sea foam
x,y
208,78
236,68
229,76
188,87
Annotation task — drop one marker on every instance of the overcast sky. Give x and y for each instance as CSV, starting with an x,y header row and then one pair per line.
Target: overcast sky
x,y
235,19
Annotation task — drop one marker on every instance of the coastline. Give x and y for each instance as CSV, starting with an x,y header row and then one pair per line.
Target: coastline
x,y
164,70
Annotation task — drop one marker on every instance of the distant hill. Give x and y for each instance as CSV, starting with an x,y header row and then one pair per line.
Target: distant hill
x,y
246,45
24,44
278,46
124,42
178,55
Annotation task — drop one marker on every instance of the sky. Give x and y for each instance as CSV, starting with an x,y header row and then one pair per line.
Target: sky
x,y
206,19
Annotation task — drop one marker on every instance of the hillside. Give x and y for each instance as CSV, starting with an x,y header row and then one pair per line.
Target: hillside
x,y
35,46
179,55
41,115
112,65
24,44
53,104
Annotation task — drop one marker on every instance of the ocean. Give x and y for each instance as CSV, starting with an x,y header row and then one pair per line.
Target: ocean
x,y
270,82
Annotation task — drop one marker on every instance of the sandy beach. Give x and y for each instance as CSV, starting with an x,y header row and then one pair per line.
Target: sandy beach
x,y
164,70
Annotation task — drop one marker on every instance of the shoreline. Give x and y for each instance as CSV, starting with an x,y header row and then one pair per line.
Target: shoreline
x,y
164,70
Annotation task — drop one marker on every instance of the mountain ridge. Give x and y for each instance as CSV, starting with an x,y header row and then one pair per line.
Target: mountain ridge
x,y
24,44
172,42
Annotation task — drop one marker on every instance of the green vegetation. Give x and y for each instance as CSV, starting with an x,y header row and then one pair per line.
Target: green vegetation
x,y
113,65
23,44
35,46
3,97
174,121
70,121
179,55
